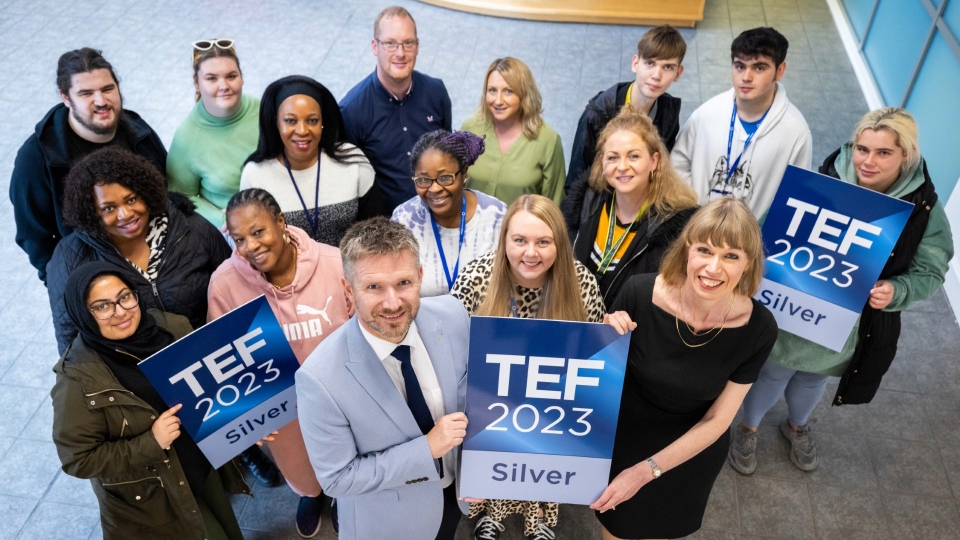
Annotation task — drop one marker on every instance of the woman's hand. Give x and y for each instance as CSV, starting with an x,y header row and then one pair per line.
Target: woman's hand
x,y
623,487
166,429
881,294
620,321
268,438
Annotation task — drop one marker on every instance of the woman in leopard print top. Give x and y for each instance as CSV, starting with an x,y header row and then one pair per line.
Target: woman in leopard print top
x,y
532,274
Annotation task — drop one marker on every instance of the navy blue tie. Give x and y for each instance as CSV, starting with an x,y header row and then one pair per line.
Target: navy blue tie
x,y
415,399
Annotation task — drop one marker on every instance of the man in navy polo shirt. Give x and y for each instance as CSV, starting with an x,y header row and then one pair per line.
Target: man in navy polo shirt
x,y
386,113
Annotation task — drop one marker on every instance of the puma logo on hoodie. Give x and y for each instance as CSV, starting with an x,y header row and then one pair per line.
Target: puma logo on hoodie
x,y
307,328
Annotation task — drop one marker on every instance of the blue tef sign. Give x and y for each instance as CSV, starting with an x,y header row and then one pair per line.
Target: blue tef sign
x,y
543,398
234,377
826,243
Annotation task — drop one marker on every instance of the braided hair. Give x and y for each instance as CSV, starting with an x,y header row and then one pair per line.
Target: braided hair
x,y
463,146
261,198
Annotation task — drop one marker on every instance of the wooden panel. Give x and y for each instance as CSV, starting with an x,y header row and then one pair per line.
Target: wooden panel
x,y
639,12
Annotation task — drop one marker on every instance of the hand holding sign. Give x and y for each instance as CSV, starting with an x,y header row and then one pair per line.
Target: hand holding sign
x,y
620,321
166,429
448,432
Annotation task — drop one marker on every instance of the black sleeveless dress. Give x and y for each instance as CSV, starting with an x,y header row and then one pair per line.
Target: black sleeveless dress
x,y
668,389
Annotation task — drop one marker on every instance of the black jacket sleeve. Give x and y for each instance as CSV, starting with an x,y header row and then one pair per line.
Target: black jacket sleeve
x,y
34,212
65,258
581,156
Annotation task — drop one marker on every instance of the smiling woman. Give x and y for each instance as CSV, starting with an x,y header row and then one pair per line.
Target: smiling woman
x,y
453,225
323,183
120,208
701,345
210,146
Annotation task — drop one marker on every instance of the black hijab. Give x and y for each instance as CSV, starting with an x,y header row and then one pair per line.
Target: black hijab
x,y
147,339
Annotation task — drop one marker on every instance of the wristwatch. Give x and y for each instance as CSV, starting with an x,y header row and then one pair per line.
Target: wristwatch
x,y
654,467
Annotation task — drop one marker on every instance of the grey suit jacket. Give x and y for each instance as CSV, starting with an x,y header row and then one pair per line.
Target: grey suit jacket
x,y
363,441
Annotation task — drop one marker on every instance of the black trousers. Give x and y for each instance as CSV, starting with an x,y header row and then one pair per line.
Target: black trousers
x,y
451,514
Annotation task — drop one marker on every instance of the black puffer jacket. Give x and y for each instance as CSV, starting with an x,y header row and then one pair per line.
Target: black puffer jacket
x,y
36,186
195,248
600,110
581,211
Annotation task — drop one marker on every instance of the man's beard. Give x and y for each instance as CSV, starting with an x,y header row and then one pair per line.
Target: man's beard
x,y
99,130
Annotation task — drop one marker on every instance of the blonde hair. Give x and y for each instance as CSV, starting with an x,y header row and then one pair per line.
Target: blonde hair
x,y
898,122
561,298
668,193
724,222
519,78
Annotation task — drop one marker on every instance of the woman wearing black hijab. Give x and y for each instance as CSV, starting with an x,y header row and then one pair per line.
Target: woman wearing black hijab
x,y
110,425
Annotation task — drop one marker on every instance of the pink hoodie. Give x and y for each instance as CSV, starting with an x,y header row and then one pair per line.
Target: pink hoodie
x,y
309,310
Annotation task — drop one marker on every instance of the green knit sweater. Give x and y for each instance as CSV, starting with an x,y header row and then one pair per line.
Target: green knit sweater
x,y
207,154
919,282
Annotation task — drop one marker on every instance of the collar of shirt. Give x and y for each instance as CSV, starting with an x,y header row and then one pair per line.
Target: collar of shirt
x,y
383,348
388,94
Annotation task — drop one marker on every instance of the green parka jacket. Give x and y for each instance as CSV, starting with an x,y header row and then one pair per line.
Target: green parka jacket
x,y
103,432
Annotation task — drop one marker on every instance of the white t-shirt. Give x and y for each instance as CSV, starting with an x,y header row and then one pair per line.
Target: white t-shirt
x,y
481,236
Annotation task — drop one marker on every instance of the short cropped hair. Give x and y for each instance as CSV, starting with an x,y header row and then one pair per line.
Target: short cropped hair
x,y
373,237
662,43
110,165
898,122
82,60
724,222
763,41
392,11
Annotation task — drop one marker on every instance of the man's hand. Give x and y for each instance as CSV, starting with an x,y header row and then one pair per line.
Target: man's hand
x,y
448,432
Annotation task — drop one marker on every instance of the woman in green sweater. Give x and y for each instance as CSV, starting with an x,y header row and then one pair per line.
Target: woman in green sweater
x,y
524,155
210,146
883,156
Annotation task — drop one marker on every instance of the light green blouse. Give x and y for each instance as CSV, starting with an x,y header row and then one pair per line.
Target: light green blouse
x,y
529,166
207,154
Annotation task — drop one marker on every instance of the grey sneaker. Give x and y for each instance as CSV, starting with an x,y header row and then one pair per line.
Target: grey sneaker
x,y
743,450
803,453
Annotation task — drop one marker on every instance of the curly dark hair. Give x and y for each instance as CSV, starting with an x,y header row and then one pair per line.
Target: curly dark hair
x,y
110,165
464,147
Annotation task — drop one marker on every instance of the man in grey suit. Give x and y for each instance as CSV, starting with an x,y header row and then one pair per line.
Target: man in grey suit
x,y
380,399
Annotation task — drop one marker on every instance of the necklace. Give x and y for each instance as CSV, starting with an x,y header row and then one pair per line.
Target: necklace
x,y
721,324
293,276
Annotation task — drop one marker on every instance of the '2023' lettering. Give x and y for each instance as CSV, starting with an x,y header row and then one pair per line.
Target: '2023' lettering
x,y
222,371
818,233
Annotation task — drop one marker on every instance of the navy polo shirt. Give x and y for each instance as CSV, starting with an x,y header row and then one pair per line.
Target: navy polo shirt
x,y
386,128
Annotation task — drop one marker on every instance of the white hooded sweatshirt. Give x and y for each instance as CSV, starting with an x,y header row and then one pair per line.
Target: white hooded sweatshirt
x,y
700,154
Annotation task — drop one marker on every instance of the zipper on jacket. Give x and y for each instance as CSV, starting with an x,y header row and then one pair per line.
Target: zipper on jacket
x,y
123,427
153,284
157,478
620,268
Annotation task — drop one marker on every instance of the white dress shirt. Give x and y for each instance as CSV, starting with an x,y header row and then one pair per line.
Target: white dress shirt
x,y
426,376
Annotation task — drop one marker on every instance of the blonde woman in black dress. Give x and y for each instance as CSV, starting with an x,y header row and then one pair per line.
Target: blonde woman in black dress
x,y
692,359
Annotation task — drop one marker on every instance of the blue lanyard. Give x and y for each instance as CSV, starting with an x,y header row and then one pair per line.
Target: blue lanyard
x,y
443,258
315,222
733,122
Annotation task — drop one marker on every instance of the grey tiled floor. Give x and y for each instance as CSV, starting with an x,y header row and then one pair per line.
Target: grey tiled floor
x,y
890,470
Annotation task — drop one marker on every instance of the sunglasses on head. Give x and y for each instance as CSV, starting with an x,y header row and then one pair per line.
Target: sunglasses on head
x,y
207,44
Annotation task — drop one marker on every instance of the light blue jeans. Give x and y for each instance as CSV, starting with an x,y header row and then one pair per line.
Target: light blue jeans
x,y
801,389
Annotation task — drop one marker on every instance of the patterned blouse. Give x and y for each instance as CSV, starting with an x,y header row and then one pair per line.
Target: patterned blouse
x,y
156,234
471,289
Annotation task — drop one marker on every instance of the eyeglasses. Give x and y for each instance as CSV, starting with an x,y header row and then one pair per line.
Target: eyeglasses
x,y
391,46
445,180
207,44
104,310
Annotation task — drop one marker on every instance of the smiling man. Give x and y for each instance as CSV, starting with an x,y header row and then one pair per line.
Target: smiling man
x,y
380,399
90,117
740,142
387,112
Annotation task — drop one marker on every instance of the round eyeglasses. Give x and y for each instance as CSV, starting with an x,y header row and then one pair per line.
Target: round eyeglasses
x,y
103,309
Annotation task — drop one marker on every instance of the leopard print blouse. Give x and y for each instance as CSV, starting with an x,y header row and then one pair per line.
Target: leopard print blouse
x,y
471,288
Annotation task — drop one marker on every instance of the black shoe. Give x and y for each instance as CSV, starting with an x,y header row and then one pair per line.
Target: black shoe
x,y
308,516
260,466
334,516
